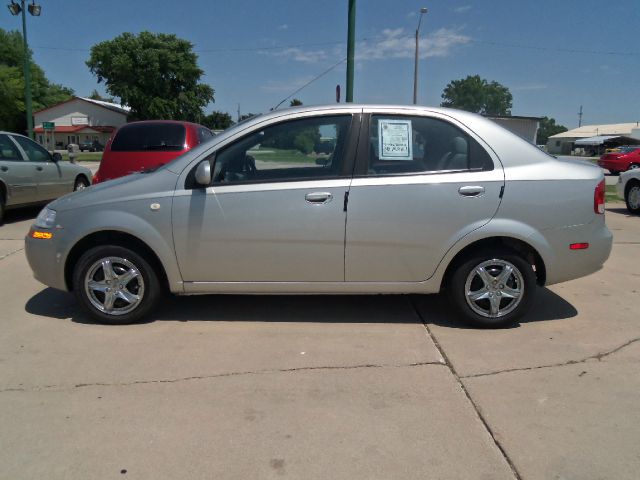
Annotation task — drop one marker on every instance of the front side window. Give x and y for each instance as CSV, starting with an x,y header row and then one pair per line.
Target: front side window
x,y
8,150
35,152
149,137
295,150
411,144
204,134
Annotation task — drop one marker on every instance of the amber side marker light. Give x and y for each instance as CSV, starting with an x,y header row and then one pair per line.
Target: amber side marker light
x,y
578,246
42,235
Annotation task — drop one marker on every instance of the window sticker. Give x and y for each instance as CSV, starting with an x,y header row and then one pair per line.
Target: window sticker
x,y
394,140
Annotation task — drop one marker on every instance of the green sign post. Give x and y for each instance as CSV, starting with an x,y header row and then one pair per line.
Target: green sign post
x,y
48,125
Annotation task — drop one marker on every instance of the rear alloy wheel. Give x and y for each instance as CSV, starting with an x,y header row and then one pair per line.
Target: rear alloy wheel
x,y
632,197
81,184
492,289
115,285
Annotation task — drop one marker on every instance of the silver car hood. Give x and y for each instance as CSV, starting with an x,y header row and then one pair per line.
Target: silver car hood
x,y
131,187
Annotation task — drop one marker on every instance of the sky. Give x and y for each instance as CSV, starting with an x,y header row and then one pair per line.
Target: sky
x,y
554,56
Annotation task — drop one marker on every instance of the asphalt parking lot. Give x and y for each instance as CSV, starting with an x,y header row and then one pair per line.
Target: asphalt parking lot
x,y
346,387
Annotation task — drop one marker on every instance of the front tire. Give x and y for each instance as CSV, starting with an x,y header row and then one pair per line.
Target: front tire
x,y
492,289
2,208
115,285
632,197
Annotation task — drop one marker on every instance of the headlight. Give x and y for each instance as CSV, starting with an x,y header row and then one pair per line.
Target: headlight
x,y
46,218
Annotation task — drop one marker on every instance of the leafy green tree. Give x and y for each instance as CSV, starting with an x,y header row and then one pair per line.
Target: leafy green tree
x,y
96,96
247,115
12,103
478,95
157,75
217,120
548,127
296,102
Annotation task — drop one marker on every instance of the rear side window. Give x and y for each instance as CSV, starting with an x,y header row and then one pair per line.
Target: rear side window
x,y
204,134
158,137
411,144
8,150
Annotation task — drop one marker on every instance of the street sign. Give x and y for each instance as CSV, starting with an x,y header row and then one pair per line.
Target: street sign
x,y
48,125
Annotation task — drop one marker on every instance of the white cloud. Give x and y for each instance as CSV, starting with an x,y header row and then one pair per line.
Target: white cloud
x,y
399,43
284,26
299,54
462,9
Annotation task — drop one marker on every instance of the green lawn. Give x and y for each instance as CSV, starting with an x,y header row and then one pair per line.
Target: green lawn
x,y
611,195
279,155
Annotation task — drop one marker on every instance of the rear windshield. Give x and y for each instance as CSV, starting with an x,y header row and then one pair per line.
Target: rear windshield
x,y
158,137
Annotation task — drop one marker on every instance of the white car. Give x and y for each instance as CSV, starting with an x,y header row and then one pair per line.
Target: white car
x,y
629,189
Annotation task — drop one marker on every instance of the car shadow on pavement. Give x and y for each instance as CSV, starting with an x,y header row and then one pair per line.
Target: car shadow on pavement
x,y
300,308
248,308
547,306
620,211
21,214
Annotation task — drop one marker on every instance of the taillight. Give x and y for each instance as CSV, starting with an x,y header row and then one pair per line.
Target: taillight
x,y
96,179
598,199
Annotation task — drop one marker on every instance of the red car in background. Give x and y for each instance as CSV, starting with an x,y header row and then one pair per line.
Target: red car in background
x,y
146,145
627,158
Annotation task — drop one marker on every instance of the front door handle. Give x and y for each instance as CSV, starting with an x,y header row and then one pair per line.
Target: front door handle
x,y
318,198
39,169
471,191
4,169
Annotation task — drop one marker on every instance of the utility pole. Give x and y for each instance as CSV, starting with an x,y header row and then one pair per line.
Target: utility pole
x,y
580,117
423,10
238,112
351,47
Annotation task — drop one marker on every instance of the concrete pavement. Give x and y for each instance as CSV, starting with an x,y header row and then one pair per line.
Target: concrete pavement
x,y
322,387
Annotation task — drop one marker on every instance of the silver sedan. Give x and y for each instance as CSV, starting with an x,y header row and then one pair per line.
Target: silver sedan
x,y
29,174
336,199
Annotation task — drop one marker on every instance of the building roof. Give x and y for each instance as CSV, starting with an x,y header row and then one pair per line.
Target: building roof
x,y
596,130
124,109
76,128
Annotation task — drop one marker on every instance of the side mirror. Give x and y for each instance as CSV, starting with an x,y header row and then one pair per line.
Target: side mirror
x,y
56,157
203,173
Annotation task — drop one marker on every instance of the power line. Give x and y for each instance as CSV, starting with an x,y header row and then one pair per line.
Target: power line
x,y
311,81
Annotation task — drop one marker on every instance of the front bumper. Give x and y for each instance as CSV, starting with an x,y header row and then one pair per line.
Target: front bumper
x,y
45,259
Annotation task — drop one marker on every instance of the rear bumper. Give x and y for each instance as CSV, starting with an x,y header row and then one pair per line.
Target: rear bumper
x,y
612,165
571,264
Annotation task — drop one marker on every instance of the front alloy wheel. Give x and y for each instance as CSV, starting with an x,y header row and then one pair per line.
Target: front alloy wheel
x,y
492,288
115,285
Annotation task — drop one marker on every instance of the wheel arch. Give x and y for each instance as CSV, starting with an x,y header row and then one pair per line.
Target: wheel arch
x,y
113,237
525,249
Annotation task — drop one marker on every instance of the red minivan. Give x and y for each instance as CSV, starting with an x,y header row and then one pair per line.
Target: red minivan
x,y
146,145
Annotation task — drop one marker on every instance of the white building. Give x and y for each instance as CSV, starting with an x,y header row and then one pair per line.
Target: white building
x,y
79,119
563,143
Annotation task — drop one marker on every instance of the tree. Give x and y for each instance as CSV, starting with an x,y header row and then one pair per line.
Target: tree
x,y
296,102
476,94
12,103
96,96
247,115
217,120
547,128
157,75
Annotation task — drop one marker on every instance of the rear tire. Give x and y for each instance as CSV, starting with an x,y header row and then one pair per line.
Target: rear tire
x,y
632,197
81,184
492,289
115,285
633,166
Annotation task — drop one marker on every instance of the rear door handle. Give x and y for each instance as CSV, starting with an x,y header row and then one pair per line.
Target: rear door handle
x,y
318,197
4,169
39,169
471,191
